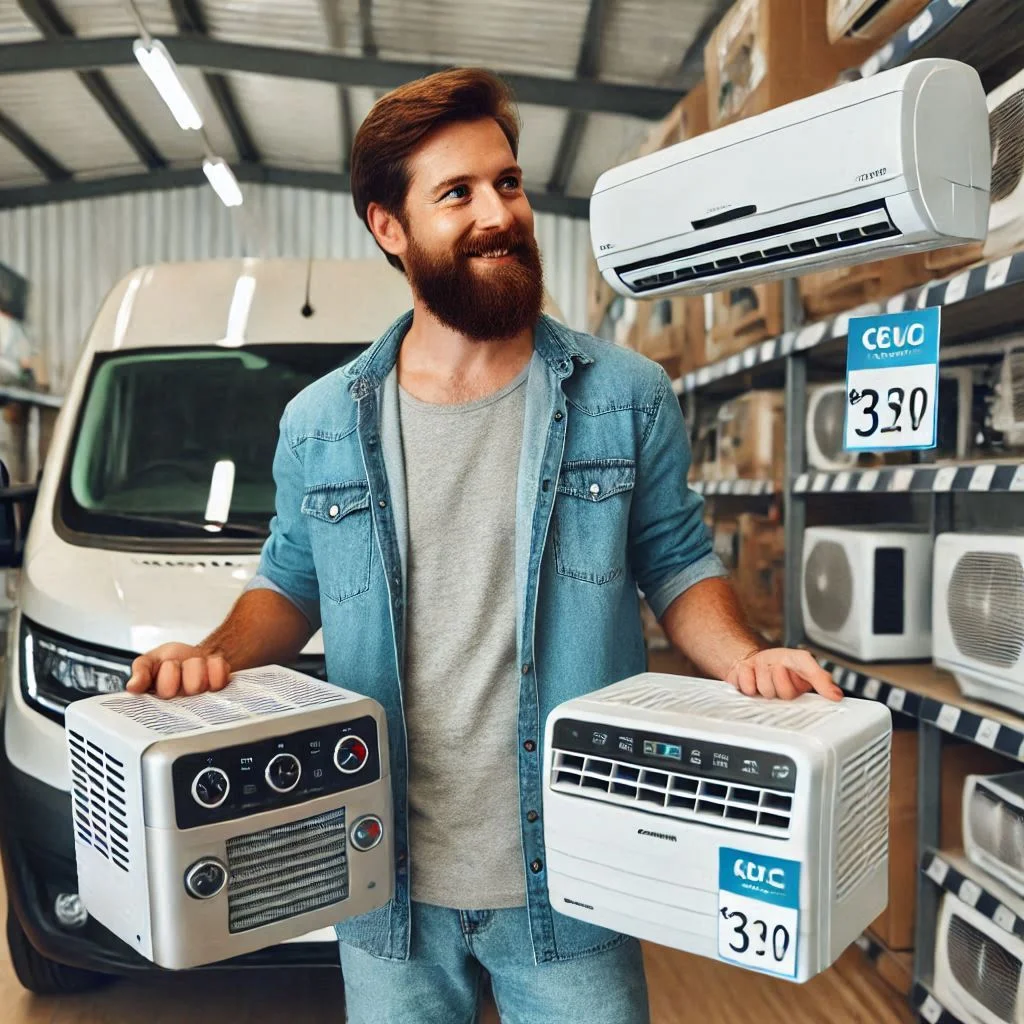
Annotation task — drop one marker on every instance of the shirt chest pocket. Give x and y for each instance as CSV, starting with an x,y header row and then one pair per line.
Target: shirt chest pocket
x,y
341,536
591,520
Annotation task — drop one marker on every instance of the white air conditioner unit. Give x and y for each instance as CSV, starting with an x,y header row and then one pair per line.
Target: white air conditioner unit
x,y
993,826
1006,129
672,806
218,824
978,614
865,591
826,428
879,174
1006,411
977,966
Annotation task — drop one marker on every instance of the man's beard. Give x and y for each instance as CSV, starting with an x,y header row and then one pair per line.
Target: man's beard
x,y
482,304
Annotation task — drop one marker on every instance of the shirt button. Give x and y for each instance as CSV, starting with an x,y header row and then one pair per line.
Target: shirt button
x,y
595,489
382,503
526,669
536,866
532,816
529,746
558,416
333,511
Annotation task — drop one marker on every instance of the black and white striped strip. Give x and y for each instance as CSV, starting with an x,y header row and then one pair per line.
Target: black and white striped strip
x,y
970,284
919,32
983,477
929,1008
951,718
739,488
968,890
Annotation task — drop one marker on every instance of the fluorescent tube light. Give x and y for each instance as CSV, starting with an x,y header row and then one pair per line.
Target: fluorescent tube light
x,y
223,181
163,73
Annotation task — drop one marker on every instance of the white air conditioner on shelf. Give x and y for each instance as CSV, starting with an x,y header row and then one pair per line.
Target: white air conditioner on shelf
x,y
993,826
978,614
218,824
977,966
880,174
1006,410
673,806
1006,129
826,426
865,591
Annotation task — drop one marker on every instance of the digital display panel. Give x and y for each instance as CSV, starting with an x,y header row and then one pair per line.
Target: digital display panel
x,y
654,748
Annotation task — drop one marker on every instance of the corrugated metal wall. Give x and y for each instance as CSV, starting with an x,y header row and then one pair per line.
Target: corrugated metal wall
x,y
73,253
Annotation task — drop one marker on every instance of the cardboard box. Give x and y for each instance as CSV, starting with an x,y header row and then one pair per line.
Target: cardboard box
x,y
673,334
741,317
895,925
765,53
869,20
952,259
761,571
752,437
837,289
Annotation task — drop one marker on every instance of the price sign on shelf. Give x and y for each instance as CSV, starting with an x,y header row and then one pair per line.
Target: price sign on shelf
x,y
892,380
758,911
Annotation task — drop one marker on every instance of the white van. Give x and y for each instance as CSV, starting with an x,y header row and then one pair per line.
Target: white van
x,y
153,504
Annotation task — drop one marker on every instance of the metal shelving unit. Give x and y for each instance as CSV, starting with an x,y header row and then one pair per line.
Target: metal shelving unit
x,y
735,488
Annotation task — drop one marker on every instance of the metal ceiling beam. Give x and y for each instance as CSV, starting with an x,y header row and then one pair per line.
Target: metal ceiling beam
x,y
329,16
586,70
650,102
366,28
691,67
48,164
188,16
49,21
184,177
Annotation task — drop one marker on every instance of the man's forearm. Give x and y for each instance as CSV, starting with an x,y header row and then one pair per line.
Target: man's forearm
x,y
263,628
707,624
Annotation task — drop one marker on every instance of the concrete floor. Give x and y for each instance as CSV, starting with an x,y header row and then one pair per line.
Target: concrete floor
x,y
683,989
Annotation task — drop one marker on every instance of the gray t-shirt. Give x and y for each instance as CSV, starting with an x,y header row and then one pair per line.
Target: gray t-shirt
x,y
461,682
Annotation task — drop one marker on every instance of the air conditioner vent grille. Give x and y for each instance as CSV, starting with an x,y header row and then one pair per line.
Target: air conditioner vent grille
x,y
862,839
983,968
287,870
997,827
828,585
99,807
747,808
985,603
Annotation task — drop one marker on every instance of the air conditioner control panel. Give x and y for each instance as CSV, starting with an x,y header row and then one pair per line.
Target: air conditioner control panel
x,y
720,762
244,778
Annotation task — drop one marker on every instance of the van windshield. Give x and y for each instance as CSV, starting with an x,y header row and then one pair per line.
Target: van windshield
x,y
179,443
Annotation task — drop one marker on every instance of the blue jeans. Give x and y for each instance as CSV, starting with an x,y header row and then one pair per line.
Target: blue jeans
x,y
440,983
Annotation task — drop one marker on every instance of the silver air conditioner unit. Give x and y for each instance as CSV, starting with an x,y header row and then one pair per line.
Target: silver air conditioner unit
x,y
218,824
993,826
879,173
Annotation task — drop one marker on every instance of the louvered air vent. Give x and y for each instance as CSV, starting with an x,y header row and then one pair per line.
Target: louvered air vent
x,y
288,870
989,973
862,839
985,604
720,704
837,230
828,585
98,800
744,808
997,827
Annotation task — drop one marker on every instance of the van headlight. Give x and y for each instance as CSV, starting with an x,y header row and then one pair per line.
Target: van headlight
x,y
56,670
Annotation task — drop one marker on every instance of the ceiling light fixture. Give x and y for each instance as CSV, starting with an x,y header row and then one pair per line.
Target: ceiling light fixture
x,y
161,70
223,180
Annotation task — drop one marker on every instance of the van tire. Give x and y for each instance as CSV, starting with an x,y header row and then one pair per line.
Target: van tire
x,y
40,975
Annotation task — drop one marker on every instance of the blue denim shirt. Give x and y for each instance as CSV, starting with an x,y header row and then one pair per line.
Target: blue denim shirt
x,y
602,510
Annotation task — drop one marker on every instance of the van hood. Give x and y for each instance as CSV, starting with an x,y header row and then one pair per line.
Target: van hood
x,y
134,601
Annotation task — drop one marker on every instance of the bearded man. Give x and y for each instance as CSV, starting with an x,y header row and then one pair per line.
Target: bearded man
x,y
469,510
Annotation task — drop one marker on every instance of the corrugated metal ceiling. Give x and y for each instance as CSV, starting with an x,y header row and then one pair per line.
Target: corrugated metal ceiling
x,y
297,124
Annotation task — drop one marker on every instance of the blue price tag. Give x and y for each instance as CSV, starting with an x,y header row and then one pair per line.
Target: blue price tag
x,y
758,911
892,380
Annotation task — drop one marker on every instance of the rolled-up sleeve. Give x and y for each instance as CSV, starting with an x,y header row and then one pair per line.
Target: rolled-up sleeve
x,y
670,546
286,561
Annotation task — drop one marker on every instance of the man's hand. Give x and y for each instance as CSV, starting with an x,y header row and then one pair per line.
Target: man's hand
x,y
171,669
781,672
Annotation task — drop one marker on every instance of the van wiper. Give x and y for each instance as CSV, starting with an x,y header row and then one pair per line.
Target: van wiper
x,y
189,524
